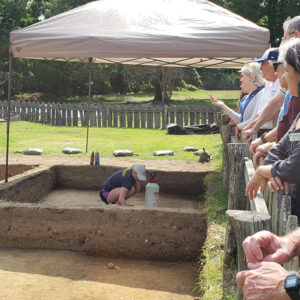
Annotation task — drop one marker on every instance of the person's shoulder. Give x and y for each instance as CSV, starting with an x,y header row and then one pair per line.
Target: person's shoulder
x,y
126,173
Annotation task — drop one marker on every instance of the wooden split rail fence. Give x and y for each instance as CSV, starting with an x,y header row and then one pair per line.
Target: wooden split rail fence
x,y
123,116
270,211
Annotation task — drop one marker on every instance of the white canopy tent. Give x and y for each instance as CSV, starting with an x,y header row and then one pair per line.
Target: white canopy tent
x,y
193,33
169,33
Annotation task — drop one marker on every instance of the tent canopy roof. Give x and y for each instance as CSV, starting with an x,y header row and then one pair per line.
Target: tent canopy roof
x,y
192,33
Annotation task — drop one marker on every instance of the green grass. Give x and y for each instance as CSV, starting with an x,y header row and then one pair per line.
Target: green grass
x,y
142,141
216,281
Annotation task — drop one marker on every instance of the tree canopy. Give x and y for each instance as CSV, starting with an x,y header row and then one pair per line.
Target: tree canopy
x,y
69,79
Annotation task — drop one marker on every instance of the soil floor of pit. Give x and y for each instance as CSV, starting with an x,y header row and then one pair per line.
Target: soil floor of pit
x,y
40,274
87,198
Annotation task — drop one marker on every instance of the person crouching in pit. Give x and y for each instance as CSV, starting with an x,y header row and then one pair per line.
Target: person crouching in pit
x,y
122,185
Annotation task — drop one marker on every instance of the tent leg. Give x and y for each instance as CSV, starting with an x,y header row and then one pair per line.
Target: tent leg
x,y
8,114
89,107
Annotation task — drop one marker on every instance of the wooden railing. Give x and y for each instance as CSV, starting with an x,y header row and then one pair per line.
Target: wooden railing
x,y
270,211
123,116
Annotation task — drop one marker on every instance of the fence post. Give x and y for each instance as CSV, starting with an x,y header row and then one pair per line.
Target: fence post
x,y
93,121
157,113
129,116
143,118
136,115
75,114
185,116
43,112
149,118
292,224
172,112
109,115
285,212
69,114
48,116
115,115
179,116
226,132
165,121
203,116
53,113
122,117
244,224
236,155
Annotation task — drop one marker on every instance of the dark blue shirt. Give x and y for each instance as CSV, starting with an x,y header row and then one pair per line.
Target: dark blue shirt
x,y
120,178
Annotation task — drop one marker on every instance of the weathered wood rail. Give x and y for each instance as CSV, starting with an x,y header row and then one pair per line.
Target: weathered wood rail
x,y
270,211
101,115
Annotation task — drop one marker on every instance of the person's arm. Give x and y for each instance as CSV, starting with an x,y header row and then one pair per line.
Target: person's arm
x,y
288,169
137,186
266,246
122,196
263,281
270,111
258,181
236,117
266,115
268,137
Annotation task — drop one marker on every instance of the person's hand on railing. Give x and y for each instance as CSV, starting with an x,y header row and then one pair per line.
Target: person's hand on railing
x,y
266,246
237,133
263,281
261,152
256,182
257,156
255,144
277,184
248,134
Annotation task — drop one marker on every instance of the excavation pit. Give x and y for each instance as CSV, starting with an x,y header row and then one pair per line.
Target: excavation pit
x,y
59,208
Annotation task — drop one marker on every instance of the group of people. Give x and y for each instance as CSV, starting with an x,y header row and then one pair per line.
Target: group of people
x,y
270,108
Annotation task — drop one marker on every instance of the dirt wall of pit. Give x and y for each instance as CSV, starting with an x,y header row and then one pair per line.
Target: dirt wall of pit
x,y
113,231
92,177
30,187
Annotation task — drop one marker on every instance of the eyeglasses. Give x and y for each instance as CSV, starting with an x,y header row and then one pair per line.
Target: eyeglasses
x,y
275,65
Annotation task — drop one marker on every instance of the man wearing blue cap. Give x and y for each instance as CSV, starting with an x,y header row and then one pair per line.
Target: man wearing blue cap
x,y
272,83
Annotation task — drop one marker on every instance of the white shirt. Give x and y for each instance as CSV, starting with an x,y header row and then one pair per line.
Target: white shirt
x,y
270,90
249,113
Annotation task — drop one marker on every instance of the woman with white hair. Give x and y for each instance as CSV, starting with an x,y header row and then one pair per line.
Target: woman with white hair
x,y
251,84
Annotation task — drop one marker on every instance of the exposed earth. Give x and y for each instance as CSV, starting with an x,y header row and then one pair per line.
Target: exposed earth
x,y
40,274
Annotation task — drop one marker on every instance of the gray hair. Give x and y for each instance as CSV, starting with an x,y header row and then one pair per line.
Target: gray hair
x,y
291,25
253,70
284,47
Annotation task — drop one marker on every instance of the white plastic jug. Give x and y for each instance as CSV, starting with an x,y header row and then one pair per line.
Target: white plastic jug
x,y
152,192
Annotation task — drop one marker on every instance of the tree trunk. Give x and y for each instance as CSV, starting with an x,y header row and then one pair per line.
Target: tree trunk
x,y
158,93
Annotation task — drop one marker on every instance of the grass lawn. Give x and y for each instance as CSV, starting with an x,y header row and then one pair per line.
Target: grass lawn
x,y
142,141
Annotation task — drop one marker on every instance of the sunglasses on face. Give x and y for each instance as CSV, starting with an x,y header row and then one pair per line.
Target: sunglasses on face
x,y
275,66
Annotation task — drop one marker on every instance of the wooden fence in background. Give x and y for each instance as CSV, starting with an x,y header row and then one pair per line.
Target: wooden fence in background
x,y
122,116
270,211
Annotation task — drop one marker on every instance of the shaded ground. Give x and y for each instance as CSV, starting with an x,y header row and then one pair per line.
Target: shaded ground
x,y
40,274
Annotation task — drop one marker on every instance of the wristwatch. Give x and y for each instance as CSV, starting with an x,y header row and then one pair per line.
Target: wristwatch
x,y
292,285
262,137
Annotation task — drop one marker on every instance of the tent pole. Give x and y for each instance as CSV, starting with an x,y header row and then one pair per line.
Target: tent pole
x,y
8,113
89,104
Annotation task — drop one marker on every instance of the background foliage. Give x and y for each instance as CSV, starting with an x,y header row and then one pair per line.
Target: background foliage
x,y
62,79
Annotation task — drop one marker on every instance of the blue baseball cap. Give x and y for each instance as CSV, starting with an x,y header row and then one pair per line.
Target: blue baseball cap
x,y
270,54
